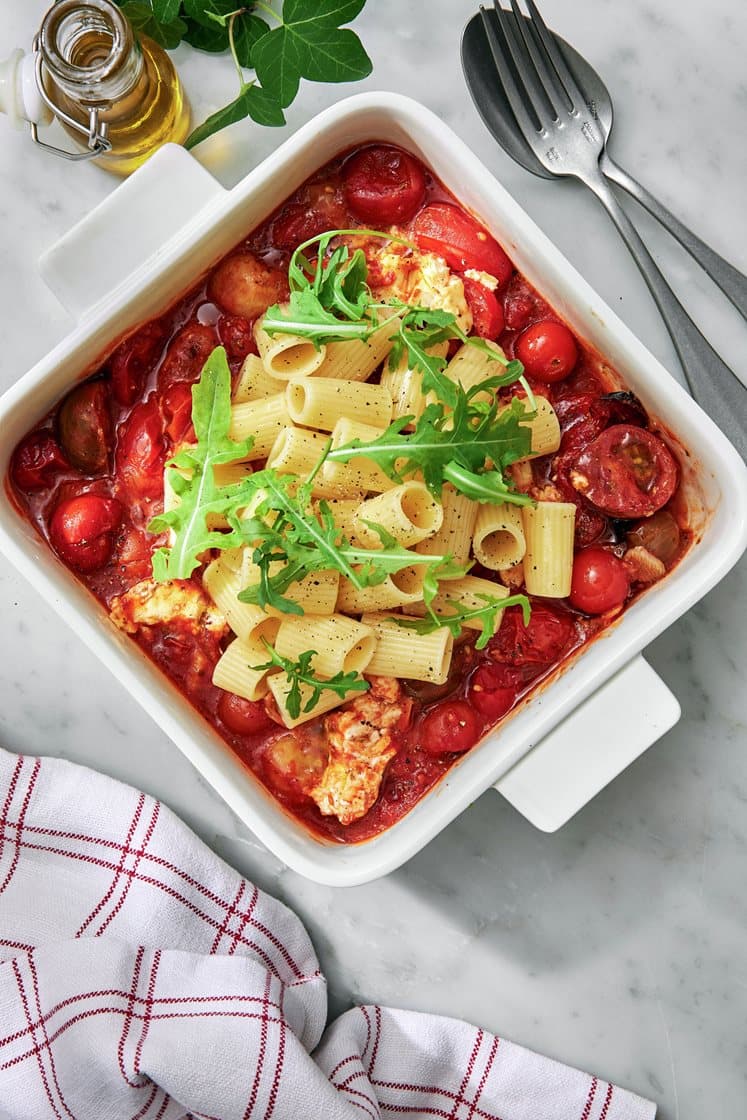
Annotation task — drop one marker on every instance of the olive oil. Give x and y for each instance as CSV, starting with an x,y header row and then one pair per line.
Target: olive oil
x,y
92,61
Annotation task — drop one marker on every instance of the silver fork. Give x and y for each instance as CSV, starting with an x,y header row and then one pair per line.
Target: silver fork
x,y
557,124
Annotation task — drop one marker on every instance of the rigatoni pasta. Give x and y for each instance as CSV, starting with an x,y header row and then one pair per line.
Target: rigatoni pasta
x,y
341,644
400,652
262,420
250,622
356,360
409,513
548,564
498,538
454,538
286,355
237,670
319,402
255,382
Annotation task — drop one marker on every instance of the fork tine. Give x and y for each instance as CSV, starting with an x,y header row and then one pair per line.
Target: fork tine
x,y
539,96
542,65
575,96
514,94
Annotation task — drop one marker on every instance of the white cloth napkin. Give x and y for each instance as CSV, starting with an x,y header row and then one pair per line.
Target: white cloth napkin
x,y
143,978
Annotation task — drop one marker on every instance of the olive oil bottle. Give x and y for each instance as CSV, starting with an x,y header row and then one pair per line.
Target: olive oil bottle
x,y
119,94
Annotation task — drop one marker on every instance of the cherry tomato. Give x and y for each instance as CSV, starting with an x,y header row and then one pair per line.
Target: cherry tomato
x,y
626,472
518,307
237,335
141,452
294,762
449,728
443,228
133,558
85,428
547,350
243,285
177,408
487,313
383,184
599,581
186,354
660,534
549,634
321,207
82,530
36,461
243,717
489,695
133,360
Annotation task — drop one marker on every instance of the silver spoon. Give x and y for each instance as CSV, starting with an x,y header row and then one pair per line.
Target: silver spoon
x,y
496,113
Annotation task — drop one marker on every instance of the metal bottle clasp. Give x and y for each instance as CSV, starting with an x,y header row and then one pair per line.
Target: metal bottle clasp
x,y
95,135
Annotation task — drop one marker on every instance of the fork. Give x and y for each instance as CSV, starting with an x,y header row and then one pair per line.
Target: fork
x,y
556,122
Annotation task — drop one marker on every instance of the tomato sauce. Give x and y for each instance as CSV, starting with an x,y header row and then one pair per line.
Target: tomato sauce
x,y
113,439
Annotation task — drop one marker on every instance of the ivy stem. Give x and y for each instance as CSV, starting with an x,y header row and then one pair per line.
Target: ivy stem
x,y
232,42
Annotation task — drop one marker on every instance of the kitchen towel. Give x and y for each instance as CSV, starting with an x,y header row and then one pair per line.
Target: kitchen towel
x,y
143,978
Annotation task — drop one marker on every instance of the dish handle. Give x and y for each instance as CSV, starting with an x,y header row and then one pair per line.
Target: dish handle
x,y
157,206
578,759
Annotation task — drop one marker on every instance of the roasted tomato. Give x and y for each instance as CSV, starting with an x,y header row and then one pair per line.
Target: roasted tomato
x,y
490,694
133,360
243,285
383,185
549,634
518,305
487,313
547,350
626,472
187,353
176,403
82,530
84,427
599,583
237,335
36,461
659,534
450,728
321,207
140,453
243,717
443,228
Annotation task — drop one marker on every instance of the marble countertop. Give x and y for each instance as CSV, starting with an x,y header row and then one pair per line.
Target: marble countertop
x,y
617,944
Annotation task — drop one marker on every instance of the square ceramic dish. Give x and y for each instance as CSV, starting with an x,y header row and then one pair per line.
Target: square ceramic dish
x,y
149,242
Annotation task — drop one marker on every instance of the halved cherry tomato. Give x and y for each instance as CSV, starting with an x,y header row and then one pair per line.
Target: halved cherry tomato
x,y
237,335
84,426
187,353
244,285
518,305
82,530
177,409
321,207
599,581
660,534
487,313
443,228
294,762
383,184
36,461
141,452
243,717
626,472
133,360
547,350
549,634
489,695
449,728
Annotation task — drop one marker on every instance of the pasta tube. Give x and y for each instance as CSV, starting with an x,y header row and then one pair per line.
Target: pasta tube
x,y
287,355
359,473
408,512
467,592
545,429
405,385
548,564
263,420
296,451
255,382
393,592
403,654
248,621
471,365
319,402
341,644
234,671
280,686
498,539
455,535
356,360
316,593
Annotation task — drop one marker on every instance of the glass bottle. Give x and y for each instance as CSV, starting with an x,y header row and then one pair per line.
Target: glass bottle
x,y
100,76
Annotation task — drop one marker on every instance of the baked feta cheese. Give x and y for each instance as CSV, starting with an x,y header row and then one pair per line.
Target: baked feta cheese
x,y
174,601
423,279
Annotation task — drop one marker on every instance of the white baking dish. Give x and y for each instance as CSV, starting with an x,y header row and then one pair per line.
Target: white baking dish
x,y
147,243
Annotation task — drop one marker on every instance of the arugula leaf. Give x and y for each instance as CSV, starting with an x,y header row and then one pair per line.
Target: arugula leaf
x,y
252,101
301,672
198,493
487,616
454,446
167,33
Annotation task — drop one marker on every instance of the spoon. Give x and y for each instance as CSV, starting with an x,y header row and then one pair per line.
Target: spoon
x,y
496,113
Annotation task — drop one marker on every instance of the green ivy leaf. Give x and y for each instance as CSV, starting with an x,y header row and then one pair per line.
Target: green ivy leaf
x,y
166,10
144,21
252,102
248,29
207,37
206,11
278,62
